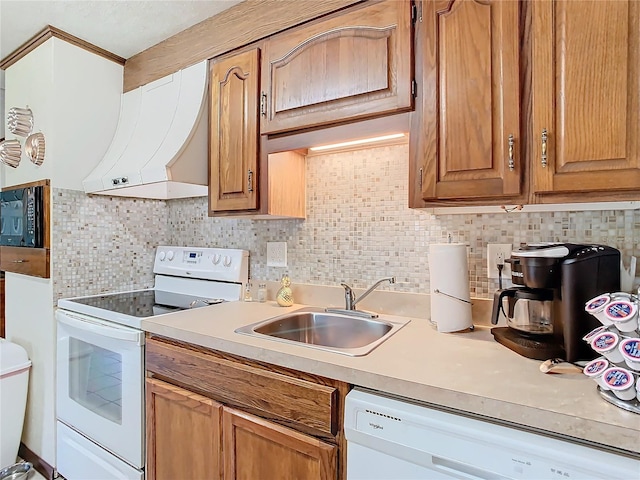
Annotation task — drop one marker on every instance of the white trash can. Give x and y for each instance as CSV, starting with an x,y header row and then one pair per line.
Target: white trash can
x,y
14,381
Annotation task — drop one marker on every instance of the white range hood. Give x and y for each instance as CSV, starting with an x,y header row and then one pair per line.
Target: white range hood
x,y
160,146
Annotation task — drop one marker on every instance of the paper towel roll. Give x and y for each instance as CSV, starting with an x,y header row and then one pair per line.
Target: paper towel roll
x,y
449,278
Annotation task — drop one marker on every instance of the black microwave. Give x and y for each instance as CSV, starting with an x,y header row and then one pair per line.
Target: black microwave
x,y
22,216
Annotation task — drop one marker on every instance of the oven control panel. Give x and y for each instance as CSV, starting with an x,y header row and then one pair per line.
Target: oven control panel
x,y
224,264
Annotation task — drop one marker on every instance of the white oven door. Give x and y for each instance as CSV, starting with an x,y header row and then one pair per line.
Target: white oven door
x,y
100,383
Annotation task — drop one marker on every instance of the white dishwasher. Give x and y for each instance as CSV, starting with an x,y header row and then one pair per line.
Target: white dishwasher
x,y
388,439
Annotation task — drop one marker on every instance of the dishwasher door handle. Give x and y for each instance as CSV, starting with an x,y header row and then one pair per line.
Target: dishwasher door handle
x,y
462,470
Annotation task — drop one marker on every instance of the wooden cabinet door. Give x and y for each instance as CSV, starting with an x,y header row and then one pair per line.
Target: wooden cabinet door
x,y
466,138
586,95
183,434
353,65
256,449
233,156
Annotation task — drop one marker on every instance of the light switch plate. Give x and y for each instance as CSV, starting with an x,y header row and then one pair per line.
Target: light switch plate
x,y
276,254
498,252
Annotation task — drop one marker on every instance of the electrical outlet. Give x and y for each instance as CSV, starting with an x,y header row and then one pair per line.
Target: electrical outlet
x,y
498,252
276,254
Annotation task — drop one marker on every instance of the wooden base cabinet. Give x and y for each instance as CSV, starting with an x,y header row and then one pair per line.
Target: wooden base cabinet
x,y
183,434
212,415
255,448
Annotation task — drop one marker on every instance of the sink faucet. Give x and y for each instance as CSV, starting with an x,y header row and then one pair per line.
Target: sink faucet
x,y
351,300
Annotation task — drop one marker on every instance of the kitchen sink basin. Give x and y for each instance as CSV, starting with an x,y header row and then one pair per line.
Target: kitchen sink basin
x,y
335,332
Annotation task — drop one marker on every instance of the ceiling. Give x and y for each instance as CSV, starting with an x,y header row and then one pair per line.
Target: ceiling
x,y
123,27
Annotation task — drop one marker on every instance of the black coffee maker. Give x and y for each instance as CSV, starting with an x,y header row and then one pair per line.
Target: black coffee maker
x,y
545,313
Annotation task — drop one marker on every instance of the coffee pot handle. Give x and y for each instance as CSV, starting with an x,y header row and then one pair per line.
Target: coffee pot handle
x,y
497,303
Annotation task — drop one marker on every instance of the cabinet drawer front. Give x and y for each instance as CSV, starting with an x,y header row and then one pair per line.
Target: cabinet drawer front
x,y
27,261
273,395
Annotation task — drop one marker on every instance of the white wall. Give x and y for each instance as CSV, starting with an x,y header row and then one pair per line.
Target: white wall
x,y
4,115
75,99
2,111
30,323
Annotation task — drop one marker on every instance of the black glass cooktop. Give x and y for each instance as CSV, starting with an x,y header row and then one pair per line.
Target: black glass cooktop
x,y
145,303
135,304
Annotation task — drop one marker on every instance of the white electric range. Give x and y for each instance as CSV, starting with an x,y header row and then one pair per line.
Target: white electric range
x,y
100,358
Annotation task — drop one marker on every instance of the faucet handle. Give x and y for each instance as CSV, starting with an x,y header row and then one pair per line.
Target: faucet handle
x,y
348,291
349,296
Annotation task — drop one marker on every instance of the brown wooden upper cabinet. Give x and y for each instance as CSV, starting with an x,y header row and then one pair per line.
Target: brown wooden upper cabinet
x,y
526,102
586,96
353,65
234,138
465,133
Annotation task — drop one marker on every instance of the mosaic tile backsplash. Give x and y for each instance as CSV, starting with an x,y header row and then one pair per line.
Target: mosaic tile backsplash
x,y
358,229
103,244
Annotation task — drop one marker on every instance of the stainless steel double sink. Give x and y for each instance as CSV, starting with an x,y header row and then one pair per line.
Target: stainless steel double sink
x,y
343,333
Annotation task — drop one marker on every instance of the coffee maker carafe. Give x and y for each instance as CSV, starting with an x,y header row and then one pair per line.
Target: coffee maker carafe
x,y
545,312
526,310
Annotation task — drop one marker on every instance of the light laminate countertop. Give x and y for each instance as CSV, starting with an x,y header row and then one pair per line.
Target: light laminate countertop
x,y
469,372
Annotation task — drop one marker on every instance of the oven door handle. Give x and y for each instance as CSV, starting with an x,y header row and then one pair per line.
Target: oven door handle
x,y
99,328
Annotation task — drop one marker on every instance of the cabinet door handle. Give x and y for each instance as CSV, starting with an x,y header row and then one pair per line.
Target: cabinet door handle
x,y
543,157
512,163
263,104
20,261
250,181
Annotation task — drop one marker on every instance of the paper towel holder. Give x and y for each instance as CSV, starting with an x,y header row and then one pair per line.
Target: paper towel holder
x,y
452,296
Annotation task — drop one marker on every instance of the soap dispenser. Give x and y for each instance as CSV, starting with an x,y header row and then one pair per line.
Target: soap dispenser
x,y
285,296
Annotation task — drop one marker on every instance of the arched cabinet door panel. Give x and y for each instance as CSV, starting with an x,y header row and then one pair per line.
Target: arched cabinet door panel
x,y
234,152
467,140
351,66
586,96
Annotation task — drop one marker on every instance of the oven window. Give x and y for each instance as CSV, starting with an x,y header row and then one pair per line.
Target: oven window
x,y
95,379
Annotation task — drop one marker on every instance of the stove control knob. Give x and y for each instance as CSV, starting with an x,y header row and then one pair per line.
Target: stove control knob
x,y
216,258
227,261
170,255
162,256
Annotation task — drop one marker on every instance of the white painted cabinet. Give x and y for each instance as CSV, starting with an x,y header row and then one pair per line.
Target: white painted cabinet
x,y
75,98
